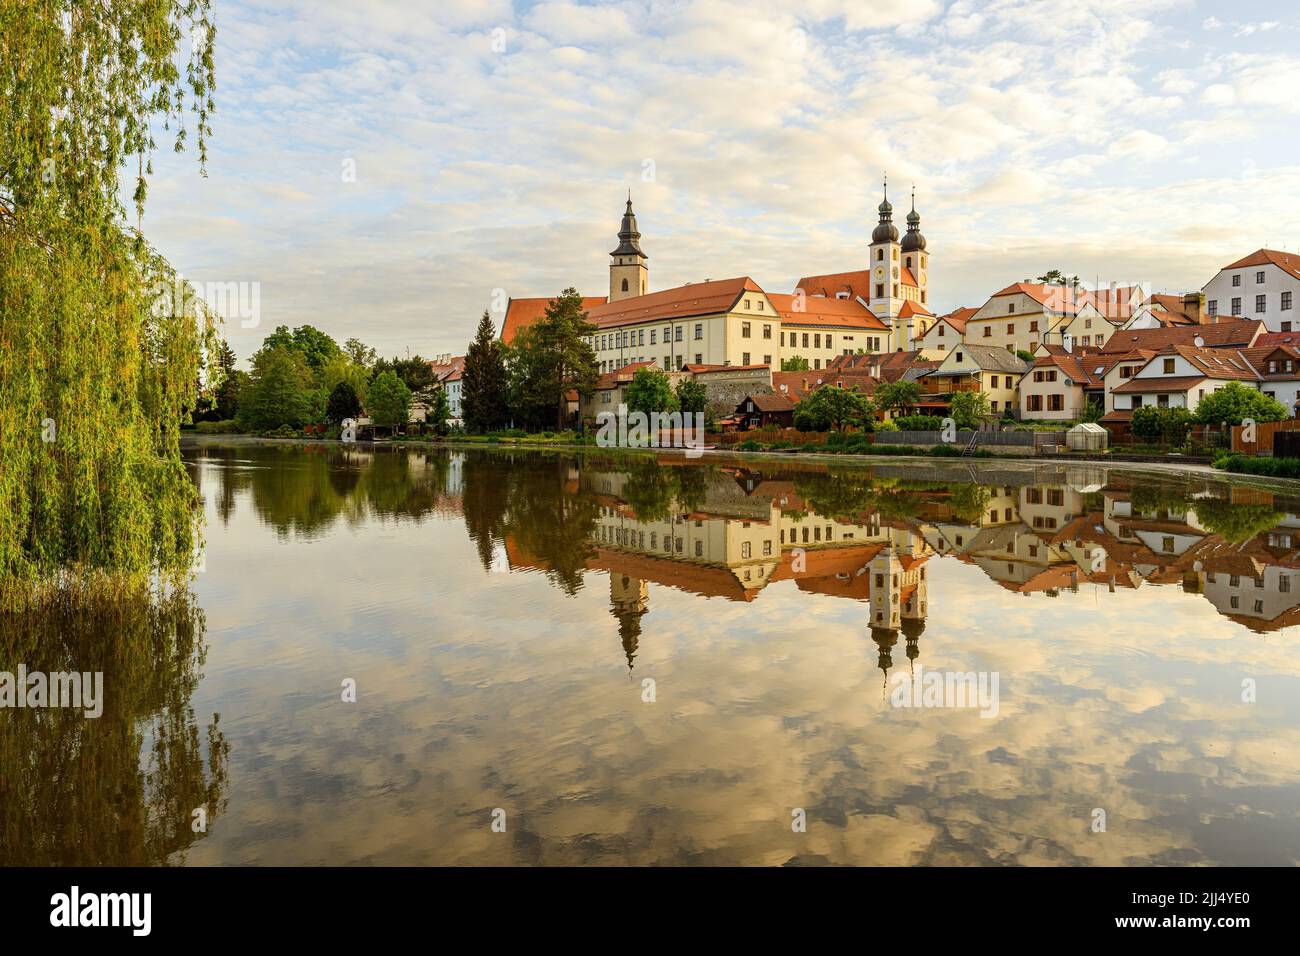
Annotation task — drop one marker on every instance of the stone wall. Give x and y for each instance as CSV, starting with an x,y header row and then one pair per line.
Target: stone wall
x,y
726,388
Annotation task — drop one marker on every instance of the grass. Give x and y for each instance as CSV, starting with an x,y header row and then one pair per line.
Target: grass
x,y
1266,467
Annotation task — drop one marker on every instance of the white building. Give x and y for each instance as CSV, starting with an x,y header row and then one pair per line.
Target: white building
x,y
1262,286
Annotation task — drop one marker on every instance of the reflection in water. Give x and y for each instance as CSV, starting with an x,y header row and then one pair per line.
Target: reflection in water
x,y
499,610
119,789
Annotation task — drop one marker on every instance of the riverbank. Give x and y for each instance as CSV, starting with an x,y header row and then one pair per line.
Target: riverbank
x,y
1133,464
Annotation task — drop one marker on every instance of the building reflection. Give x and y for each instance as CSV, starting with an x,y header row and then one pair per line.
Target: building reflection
x,y
752,530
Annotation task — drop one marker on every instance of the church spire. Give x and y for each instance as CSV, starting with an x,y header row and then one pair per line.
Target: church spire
x,y
629,239
627,264
885,230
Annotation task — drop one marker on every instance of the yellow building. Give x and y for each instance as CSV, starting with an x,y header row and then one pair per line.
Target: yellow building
x,y
1021,316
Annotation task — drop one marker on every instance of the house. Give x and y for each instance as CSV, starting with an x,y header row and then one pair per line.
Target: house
x,y
946,332
1020,316
1278,368
1178,376
978,368
1057,387
611,391
773,410
819,329
1262,285
1087,328
447,374
1221,335
1166,310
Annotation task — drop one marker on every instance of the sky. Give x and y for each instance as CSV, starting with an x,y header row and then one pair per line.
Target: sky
x,y
388,170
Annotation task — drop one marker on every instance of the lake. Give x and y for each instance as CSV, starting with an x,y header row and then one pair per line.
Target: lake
x,y
506,657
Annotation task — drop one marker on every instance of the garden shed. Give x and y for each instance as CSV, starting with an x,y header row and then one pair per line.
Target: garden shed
x,y
1086,437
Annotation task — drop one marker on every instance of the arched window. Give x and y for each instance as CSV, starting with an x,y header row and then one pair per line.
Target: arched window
x,y
624,285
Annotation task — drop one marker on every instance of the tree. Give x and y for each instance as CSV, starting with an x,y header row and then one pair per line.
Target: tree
x,y
317,348
1234,402
550,358
832,407
901,396
968,409
1057,277
343,403
692,396
484,383
795,363
1025,356
389,401
101,342
360,353
227,395
650,391
439,411
415,372
340,369
282,391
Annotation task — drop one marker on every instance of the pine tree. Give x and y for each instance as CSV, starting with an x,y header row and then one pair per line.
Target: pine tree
x,y
551,358
483,380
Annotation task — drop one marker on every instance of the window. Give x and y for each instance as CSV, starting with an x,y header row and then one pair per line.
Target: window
x,y
746,303
1033,326
805,340
744,358
767,360
1236,305
1169,366
1056,403
939,333
678,336
699,359
767,548
1011,307
604,397
744,549
880,290
993,406
1212,307
767,331
880,255
679,363
699,331
744,330
1286,301
760,305
1034,403
1260,301
1011,328
1259,278
1286,326
624,285
817,341
988,331
1236,280
652,336
958,356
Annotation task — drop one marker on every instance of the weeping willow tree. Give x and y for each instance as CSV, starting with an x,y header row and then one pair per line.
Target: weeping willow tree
x,y
101,344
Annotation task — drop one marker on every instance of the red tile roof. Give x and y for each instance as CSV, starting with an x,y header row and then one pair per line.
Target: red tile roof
x,y
958,318
1220,335
1177,383
854,283
1287,261
695,299
521,313
814,310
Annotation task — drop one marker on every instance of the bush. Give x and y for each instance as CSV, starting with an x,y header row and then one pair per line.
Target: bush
x,y
1267,467
919,423
226,427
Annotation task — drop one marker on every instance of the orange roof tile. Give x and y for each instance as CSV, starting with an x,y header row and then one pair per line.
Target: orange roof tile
x,y
1220,335
695,299
814,310
521,313
1287,261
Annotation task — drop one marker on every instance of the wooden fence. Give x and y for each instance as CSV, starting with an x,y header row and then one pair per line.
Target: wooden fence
x,y
1264,432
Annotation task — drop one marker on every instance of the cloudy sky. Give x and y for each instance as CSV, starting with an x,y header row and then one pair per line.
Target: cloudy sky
x,y
493,144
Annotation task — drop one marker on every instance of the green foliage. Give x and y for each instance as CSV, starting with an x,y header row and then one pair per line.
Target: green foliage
x,y
281,391
1093,412
1234,402
549,358
919,423
897,396
98,335
415,372
1154,424
1025,356
316,348
795,363
484,382
360,353
968,409
224,427
650,391
439,412
692,396
343,403
832,407
1268,467
389,401
341,369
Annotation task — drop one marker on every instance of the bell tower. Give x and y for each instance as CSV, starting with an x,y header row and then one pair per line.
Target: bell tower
x,y
627,269
886,281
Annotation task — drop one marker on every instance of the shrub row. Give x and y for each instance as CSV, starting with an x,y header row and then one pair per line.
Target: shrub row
x,y
1250,465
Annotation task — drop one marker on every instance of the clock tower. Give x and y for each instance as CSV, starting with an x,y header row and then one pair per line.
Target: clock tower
x,y
886,265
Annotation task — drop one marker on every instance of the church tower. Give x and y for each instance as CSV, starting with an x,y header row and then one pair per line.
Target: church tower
x,y
886,262
627,269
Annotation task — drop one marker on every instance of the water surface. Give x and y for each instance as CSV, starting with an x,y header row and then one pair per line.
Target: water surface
x,y
664,662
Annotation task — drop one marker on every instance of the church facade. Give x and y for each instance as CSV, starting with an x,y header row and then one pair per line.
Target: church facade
x,y
735,322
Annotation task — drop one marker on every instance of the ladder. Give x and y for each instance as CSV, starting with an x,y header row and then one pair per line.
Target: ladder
x,y
970,446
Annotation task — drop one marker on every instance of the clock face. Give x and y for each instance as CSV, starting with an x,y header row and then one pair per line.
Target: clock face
x,y
922,278
880,272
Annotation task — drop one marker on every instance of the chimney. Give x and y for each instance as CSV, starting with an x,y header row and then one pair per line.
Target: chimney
x,y
1194,306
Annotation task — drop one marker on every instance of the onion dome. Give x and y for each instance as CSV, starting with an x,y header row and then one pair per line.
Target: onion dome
x,y
885,230
914,241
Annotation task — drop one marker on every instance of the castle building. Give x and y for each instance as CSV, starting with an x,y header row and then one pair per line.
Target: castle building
x,y
734,322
